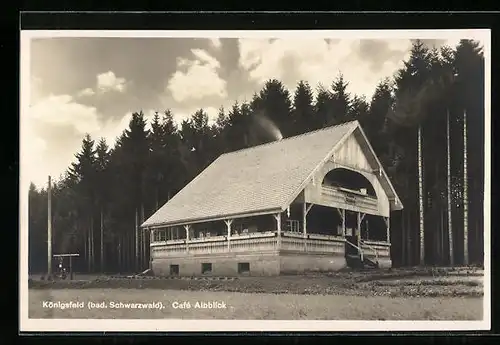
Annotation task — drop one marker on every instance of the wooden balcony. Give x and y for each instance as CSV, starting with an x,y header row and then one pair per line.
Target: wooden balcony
x,y
349,200
260,242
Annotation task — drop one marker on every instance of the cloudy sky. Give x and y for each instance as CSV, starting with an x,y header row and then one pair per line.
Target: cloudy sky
x,y
91,85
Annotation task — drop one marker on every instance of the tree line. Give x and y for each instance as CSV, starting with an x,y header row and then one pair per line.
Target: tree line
x,y
422,122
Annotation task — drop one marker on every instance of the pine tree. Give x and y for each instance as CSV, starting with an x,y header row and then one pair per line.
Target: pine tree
x,y
274,103
102,183
322,107
303,108
83,171
341,101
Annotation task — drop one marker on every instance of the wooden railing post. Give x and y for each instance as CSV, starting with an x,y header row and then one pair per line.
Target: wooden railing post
x,y
305,211
186,227
228,225
277,216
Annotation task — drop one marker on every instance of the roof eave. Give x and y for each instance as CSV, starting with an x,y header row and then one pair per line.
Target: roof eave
x,y
182,222
380,166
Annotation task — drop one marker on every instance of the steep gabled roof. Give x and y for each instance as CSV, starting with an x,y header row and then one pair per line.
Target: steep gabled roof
x,y
258,180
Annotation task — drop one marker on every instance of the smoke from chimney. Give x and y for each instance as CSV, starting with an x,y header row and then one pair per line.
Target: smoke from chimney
x,y
268,126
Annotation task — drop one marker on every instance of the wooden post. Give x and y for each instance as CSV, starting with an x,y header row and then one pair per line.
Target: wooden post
x,y
465,197
186,227
278,224
228,225
367,230
358,234
358,230
304,224
421,198
277,216
151,236
143,240
49,229
361,216
305,211
136,239
71,268
388,231
343,223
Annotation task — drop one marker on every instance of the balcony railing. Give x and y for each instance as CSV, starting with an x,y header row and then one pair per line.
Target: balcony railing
x,y
357,200
260,242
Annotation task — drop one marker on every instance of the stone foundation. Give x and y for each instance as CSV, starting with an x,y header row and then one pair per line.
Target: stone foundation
x,y
260,264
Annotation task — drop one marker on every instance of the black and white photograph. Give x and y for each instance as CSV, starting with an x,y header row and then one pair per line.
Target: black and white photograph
x,y
255,180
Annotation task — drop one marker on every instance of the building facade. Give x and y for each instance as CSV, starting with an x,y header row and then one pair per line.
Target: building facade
x,y
319,201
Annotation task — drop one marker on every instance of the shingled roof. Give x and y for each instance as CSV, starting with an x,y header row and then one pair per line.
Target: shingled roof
x,y
258,180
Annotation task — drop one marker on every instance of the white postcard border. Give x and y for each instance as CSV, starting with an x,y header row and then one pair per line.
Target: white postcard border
x,y
174,325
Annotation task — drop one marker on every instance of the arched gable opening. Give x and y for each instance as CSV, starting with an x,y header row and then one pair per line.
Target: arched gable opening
x,y
349,179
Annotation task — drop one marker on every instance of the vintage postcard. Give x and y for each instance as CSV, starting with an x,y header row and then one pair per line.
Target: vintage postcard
x,y
255,180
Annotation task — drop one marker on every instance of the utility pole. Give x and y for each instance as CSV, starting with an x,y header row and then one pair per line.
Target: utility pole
x,y
49,229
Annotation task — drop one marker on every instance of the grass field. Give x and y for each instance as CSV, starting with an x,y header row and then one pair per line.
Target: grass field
x,y
255,306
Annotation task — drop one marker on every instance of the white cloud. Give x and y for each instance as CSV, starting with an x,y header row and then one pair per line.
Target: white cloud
x,y
199,80
86,92
62,110
316,61
206,58
215,42
108,81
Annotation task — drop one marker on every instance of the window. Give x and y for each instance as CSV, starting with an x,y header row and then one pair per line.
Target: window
x,y
206,268
174,270
161,235
243,267
293,225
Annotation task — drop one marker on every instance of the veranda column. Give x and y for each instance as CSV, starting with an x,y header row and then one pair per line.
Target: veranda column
x,y
361,216
186,227
367,230
228,225
305,211
388,231
343,223
151,239
304,220
358,230
278,228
